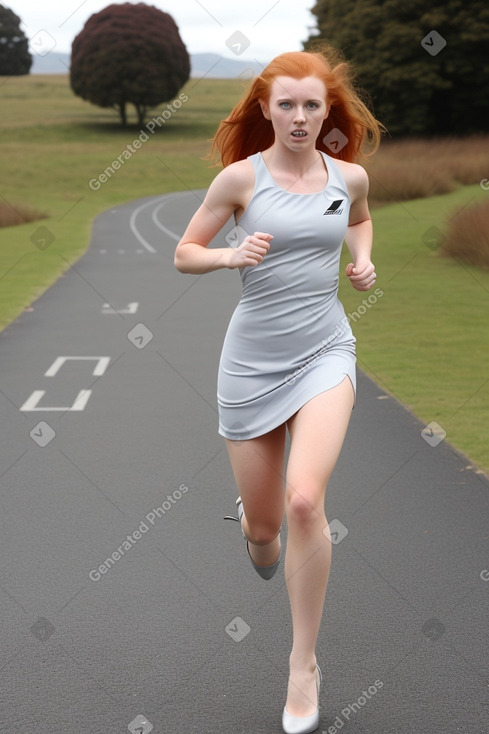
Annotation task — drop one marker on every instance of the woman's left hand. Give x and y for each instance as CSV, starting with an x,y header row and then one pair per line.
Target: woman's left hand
x,y
362,275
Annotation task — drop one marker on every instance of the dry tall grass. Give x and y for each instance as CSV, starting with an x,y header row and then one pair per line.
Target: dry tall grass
x,y
11,214
468,235
412,169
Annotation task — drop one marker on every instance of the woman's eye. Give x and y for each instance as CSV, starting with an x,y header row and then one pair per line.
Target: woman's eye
x,y
288,105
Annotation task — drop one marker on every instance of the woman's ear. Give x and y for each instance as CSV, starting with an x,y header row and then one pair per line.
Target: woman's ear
x,y
265,108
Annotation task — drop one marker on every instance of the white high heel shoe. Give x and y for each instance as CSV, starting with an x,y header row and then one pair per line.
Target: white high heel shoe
x,y
266,572
302,724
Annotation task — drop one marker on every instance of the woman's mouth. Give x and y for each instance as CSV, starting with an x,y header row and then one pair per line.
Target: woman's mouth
x,y
299,133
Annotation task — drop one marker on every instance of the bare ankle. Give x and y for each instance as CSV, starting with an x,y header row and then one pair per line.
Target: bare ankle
x,y
302,662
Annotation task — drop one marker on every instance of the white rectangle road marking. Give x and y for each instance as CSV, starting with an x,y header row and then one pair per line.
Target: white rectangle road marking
x,y
130,308
32,403
99,369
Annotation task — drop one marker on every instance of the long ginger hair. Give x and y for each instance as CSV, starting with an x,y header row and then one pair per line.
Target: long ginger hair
x,y
246,131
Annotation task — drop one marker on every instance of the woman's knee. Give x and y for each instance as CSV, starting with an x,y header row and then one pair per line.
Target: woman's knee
x,y
303,507
261,533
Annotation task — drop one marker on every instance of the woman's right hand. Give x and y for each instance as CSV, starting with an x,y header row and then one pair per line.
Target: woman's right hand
x,y
251,251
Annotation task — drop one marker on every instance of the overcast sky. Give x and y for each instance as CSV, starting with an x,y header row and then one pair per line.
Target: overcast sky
x,y
223,27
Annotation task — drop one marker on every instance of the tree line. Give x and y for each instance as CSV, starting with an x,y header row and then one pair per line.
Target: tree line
x,y
424,66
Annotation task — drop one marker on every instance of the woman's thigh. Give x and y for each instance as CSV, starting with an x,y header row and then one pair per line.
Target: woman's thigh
x,y
317,432
258,467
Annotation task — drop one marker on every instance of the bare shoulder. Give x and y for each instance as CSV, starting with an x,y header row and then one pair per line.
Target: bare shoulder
x,y
355,177
225,196
234,182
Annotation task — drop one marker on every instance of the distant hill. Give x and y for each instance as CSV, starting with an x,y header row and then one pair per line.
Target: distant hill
x,y
209,65
218,67
52,63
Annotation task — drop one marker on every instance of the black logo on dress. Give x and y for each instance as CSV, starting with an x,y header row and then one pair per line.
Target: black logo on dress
x,y
334,208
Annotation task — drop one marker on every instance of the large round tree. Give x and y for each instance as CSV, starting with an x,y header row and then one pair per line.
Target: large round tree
x,y
15,58
129,54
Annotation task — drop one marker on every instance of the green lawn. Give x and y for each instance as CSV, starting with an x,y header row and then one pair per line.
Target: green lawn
x,y
424,340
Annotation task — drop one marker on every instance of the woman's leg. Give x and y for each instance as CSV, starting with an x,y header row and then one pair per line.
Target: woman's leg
x,y
317,433
258,467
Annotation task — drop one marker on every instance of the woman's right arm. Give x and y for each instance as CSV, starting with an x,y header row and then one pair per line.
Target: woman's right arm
x,y
226,194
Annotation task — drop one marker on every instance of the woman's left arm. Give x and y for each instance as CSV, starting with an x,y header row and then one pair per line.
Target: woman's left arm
x,y
358,237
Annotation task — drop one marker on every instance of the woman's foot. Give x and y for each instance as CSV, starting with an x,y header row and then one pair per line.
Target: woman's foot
x,y
303,690
265,555
264,558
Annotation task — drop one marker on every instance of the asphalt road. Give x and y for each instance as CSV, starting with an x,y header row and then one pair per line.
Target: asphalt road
x,y
128,604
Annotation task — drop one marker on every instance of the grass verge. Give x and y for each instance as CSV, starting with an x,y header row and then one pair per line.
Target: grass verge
x,y
425,339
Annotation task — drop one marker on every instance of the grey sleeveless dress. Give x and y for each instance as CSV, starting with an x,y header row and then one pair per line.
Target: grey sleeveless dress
x,y
288,339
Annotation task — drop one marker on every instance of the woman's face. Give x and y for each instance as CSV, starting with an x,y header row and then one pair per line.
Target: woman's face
x,y
297,109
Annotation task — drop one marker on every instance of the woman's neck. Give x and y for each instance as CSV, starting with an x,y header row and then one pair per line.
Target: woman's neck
x,y
297,164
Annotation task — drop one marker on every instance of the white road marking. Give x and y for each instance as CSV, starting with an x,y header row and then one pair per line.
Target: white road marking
x,y
158,206
32,403
161,226
99,369
135,231
130,308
